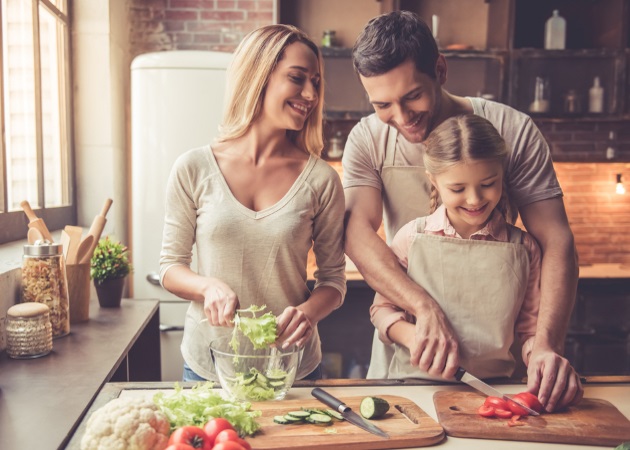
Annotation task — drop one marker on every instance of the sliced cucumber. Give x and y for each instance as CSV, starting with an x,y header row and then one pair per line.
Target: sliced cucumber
x,y
334,414
319,419
292,419
373,407
281,420
276,384
299,414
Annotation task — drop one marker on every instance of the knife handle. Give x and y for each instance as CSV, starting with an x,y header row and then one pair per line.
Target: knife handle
x,y
329,400
460,373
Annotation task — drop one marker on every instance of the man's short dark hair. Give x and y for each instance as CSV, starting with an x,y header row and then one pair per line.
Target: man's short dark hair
x,y
389,40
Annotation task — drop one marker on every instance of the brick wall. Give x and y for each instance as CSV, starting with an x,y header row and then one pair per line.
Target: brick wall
x,y
219,25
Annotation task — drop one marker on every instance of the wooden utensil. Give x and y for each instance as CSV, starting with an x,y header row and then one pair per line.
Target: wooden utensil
x,y
65,243
406,424
34,235
98,224
591,422
84,249
36,222
75,239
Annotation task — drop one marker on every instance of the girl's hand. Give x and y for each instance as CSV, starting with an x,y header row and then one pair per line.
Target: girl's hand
x,y
220,303
294,327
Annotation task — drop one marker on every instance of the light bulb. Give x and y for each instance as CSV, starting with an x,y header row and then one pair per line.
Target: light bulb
x,y
620,188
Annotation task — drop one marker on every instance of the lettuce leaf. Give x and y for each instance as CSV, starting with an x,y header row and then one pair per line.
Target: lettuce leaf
x,y
198,405
261,331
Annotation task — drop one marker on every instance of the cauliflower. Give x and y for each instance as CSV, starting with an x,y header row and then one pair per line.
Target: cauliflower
x,y
126,424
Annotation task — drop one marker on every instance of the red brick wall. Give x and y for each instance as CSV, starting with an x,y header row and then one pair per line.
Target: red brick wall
x,y
158,25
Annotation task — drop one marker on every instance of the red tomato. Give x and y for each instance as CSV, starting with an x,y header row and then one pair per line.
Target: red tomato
x,y
503,413
486,411
243,443
180,447
227,435
228,445
192,436
215,426
529,400
496,402
517,409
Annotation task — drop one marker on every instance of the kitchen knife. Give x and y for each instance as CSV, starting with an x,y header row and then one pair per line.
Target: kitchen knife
x,y
347,412
476,383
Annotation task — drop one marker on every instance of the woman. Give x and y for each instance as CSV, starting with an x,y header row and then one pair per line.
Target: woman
x,y
254,202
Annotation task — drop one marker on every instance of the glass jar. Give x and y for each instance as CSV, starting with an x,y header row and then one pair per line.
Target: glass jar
x,y
29,332
328,38
44,281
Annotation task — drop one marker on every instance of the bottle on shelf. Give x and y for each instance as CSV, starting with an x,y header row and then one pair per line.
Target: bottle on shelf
x,y
555,32
541,96
596,97
611,153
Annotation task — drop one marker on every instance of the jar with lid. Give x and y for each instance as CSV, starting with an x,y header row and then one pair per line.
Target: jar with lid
x,y
29,332
44,281
329,38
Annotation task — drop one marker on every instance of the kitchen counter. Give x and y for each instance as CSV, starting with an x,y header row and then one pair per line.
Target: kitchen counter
x,y
613,389
42,400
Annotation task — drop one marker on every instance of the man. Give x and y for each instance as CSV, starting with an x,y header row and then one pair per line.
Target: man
x,y
402,72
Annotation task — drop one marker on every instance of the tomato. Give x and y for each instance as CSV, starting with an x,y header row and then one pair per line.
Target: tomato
x,y
530,400
496,402
227,435
503,413
516,408
228,445
180,447
215,426
192,436
486,411
243,443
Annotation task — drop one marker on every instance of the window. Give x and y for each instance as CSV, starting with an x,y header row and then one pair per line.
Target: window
x,y
35,112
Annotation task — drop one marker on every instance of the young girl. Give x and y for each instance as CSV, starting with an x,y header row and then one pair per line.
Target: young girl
x,y
254,202
483,272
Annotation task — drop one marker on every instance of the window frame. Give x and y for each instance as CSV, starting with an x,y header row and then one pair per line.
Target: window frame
x,y
13,224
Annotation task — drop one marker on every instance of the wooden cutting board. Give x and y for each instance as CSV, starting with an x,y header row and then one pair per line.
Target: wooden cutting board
x,y
342,434
592,422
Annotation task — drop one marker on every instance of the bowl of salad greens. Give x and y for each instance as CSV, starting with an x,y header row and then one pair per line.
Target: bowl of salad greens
x,y
248,364
254,374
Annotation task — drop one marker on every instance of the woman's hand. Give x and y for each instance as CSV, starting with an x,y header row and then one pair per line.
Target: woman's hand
x,y
220,303
294,327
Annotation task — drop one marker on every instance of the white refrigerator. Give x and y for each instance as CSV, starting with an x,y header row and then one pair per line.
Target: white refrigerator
x,y
177,102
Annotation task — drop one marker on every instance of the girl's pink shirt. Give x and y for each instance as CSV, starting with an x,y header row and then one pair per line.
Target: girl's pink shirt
x,y
384,314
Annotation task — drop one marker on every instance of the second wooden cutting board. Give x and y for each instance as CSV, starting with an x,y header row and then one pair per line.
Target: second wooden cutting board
x,y
592,422
402,431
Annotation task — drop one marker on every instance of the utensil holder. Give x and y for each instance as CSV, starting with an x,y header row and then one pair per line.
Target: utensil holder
x,y
79,291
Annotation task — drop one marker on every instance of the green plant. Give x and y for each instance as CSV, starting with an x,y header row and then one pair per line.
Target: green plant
x,y
109,261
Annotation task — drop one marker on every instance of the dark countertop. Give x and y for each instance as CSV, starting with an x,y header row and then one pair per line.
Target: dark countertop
x,y
42,400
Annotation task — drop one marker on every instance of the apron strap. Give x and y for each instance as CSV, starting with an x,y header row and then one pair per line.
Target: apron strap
x,y
515,234
390,148
420,224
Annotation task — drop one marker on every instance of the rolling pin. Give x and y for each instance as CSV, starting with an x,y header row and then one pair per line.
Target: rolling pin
x,y
98,224
36,222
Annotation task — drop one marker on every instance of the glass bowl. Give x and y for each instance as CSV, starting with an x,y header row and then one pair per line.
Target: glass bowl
x,y
254,374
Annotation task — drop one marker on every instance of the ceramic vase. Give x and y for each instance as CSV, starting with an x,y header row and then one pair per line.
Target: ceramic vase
x,y
109,292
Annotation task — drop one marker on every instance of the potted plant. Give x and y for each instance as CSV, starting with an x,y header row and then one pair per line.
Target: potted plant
x,y
108,268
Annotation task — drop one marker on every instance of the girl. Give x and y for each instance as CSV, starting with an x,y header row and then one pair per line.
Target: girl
x,y
483,272
254,202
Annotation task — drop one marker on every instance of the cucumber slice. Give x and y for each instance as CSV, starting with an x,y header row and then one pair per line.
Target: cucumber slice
x,y
276,384
292,419
248,378
373,407
281,420
334,414
299,414
319,419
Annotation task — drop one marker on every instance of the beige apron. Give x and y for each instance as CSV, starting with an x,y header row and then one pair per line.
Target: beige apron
x,y
406,194
480,286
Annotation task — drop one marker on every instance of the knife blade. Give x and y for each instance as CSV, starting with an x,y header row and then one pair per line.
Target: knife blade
x,y
347,412
477,384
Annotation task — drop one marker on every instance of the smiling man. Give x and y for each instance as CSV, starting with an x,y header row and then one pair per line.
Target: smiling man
x,y
403,74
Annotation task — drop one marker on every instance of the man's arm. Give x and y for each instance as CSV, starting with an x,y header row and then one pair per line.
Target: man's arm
x,y
436,344
549,373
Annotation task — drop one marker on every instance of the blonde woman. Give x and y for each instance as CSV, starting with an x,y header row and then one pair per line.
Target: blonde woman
x,y
254,202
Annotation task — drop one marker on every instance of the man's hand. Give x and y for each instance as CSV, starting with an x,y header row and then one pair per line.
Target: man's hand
x,y
436,346
552,378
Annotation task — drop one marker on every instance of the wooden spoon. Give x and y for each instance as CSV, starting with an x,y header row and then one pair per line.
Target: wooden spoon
x,y
36,222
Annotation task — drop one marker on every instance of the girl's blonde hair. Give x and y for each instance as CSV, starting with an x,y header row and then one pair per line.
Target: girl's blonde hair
x,y
462,139
254,60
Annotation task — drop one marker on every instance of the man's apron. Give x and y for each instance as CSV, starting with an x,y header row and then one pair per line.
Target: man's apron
x,y
491,281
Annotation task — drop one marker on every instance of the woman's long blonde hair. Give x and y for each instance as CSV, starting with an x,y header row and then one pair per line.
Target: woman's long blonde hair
x,y
466,138
255,59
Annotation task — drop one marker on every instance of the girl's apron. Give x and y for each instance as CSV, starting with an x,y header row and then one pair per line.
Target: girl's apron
x,y
406,195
